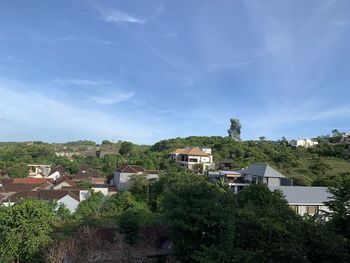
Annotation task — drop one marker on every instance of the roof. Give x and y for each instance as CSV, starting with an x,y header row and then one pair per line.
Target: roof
x,y
190,151
65,179
29,180
59,169
263,170
304,194
45,195
98,180
131,169
16,185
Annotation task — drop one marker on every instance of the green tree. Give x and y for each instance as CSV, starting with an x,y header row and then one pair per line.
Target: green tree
x,y
25,230
267,229
90,208
126,148
200,217
138,184
339,208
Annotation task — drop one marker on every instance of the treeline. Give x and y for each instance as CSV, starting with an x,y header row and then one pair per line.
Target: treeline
x,y
204,222
14,158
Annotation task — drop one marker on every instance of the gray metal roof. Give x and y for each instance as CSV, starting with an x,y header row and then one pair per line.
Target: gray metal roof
x,y
263,170
304,194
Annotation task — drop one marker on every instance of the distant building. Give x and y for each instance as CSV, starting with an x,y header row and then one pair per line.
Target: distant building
x,y
258,173
122,175
306,143
39,170
193,157
70,199
45,171
264,173
304,199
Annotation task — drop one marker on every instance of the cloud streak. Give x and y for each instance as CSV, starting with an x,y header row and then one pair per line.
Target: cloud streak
x,y
112,15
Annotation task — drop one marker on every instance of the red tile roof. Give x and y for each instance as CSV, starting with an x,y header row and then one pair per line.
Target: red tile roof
x,y
44,195
29,180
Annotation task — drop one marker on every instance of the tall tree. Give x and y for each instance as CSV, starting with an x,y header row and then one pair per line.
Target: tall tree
x,y
25,230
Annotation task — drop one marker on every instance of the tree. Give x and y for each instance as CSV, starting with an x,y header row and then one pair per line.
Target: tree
x,y
90,208
267,229
126,148
131,222
118,203
25,230
340,208
138,184
319,167
200,217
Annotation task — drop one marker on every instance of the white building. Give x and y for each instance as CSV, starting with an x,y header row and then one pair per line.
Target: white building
x,y
305,199
307,143
122,175
191,157
39,170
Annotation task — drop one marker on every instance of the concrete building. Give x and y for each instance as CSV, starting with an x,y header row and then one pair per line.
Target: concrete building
x,y
193,157
306,143
304,199
264,173
39,170
122,175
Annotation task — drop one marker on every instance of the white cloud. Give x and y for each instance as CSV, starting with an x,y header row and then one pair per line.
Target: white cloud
x,y
112,15
113,98
82,82
35,116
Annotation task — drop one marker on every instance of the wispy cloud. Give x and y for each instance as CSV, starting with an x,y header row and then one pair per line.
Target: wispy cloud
x,y
112,98
113,15
61,120
83,82
230,64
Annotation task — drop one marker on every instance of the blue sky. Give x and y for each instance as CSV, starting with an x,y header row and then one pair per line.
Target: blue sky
x,y
150,70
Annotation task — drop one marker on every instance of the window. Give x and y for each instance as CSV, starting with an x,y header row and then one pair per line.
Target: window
x,y
311,209
253,180
193,160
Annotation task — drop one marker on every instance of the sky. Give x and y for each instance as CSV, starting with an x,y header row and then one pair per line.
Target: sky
x,y
144,71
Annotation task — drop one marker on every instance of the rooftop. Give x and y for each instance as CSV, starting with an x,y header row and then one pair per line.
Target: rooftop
x,y
304,194
263,170
196,151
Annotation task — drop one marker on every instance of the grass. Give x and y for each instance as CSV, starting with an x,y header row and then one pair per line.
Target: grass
x,y
303,173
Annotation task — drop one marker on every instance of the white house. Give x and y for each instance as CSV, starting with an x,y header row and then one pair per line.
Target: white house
x,y
70,199
122,175
39,170
193,156
307,143
305,199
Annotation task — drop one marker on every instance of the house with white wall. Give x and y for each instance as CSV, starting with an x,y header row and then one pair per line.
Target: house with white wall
x,y
305,200
39,170
191,157
122,175
306,143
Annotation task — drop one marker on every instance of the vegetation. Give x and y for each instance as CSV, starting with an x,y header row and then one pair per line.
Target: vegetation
x,y
205,221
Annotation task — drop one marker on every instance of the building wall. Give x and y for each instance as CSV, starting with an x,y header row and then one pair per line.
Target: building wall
x,y
122,179
103,190
60,185
303,209
273,181
70,203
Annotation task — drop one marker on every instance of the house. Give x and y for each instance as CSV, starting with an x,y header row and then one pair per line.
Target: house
x,y
192,157
234,179
122,175
264,173
304,199
307,143
39,170
56,173
68,198
63,181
